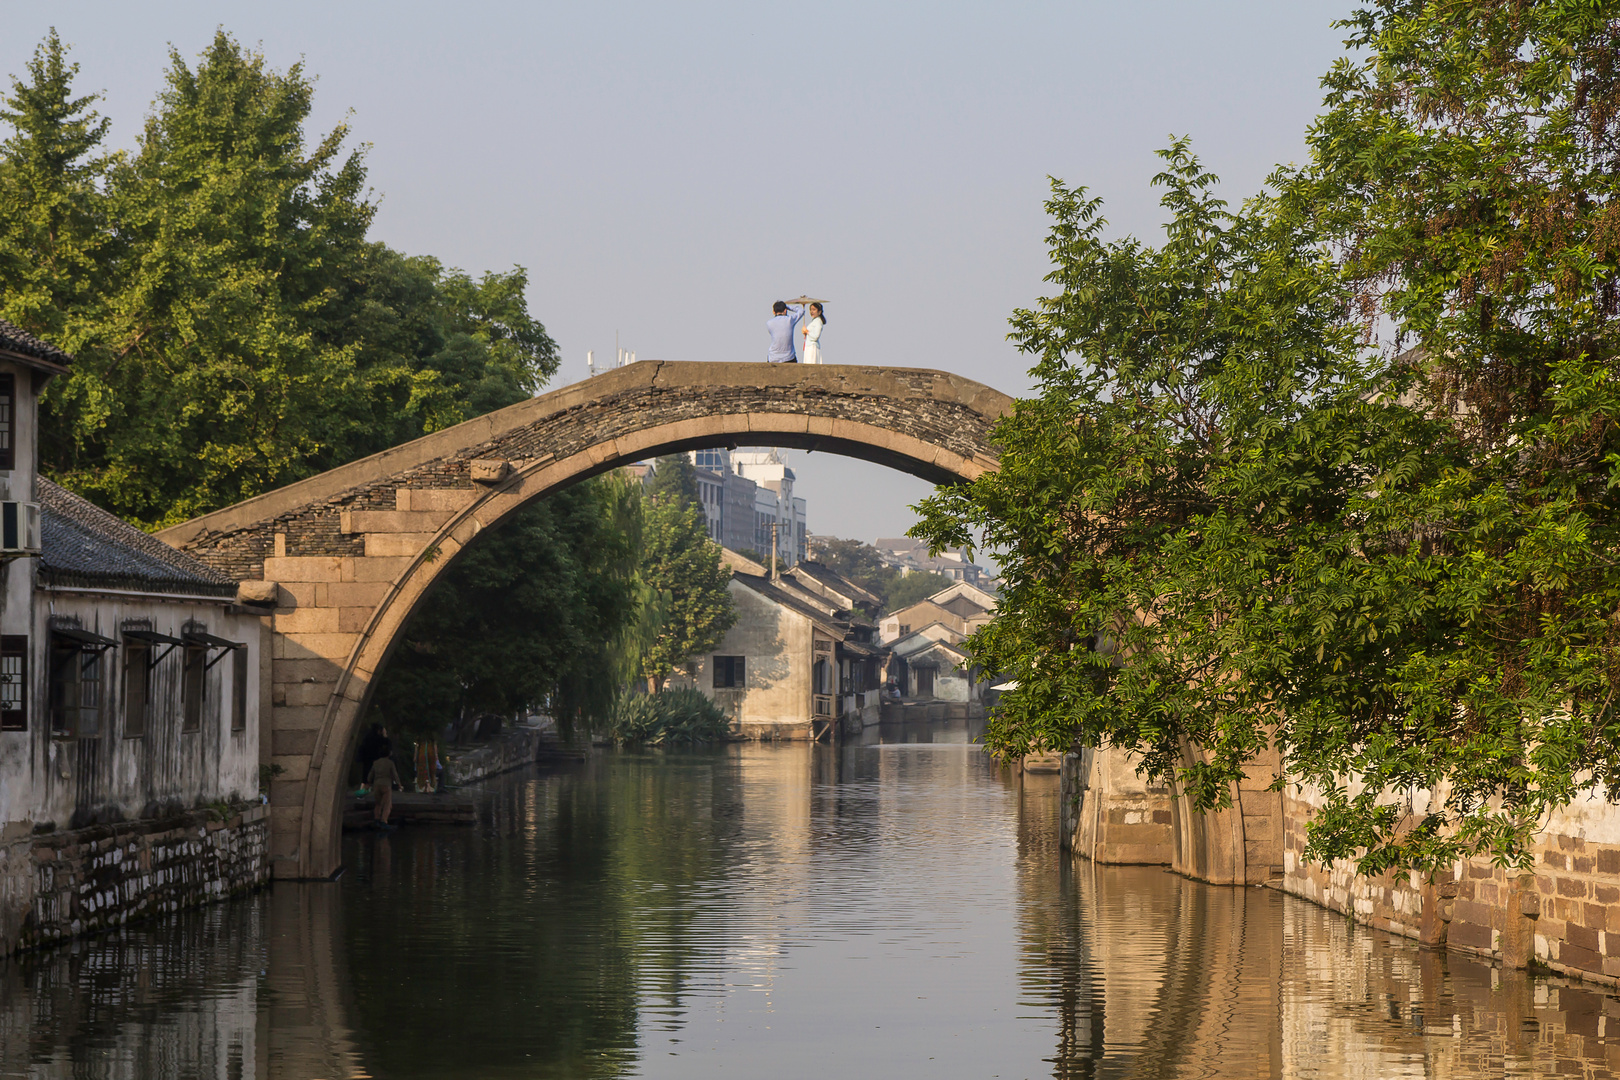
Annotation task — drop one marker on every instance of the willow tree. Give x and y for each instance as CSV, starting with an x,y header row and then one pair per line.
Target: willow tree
x,y
1336,473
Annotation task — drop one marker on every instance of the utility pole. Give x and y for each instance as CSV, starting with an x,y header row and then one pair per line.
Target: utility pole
x,y
775,574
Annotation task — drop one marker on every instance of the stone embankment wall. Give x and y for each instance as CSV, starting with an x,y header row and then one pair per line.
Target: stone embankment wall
x,y
1564,915
65,884
1561,916
512,749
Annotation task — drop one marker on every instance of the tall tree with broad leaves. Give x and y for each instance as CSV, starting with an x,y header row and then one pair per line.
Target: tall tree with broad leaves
x,y
211,385
1238,521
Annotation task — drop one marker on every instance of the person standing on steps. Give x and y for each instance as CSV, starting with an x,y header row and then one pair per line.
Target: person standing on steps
x,y
812,334
780,326
383,779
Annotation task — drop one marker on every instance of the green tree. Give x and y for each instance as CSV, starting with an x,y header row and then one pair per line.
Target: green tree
x,y
528,617
209,385
861,563
233,330
686,581
909,588
55,241
674,478
1234,523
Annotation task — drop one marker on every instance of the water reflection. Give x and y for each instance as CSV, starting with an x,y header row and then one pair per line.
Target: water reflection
x,y
894,908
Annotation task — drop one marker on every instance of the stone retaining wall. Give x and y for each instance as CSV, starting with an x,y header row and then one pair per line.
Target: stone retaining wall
x,y
65,884
512,749
1563,916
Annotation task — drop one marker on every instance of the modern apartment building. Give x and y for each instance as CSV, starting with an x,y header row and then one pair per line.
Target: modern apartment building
x,y
748,499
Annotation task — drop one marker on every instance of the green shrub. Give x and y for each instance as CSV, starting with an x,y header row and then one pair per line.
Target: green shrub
x,y
667,717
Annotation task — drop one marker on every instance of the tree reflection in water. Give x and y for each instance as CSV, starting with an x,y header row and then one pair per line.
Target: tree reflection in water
x,y
898,909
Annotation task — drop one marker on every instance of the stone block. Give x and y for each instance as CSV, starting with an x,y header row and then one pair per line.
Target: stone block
x,y
307,620
397,544
1472,911
264,593
284,741
1575,956
394,521
354,620
304,568
378,568
314,669
297,695
1583,937
436,500
340,594
291,717
298,646
1570,886
1555,858
1608,861
297,765
1583,864
1469,935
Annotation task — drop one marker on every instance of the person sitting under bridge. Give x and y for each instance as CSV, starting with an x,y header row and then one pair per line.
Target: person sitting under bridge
x,y
780,326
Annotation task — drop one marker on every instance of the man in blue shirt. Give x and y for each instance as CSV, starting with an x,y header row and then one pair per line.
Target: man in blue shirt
x,y
783,322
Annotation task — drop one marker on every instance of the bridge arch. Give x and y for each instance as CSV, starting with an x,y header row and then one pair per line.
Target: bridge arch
x,y
342,559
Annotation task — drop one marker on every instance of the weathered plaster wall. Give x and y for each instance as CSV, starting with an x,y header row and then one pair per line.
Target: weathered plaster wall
x,y
51,782
776,646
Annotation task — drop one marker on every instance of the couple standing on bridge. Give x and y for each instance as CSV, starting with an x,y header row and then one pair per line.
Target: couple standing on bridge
x,y
783,321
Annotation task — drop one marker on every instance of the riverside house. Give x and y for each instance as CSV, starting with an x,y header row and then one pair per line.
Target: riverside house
x,y
129,703
799,663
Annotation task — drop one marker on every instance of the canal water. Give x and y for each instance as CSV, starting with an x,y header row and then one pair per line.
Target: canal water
x,y
892,909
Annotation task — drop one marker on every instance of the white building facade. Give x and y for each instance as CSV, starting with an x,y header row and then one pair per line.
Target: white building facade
x,y
130,698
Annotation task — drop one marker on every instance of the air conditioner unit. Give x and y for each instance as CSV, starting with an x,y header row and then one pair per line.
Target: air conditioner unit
x,y
19,528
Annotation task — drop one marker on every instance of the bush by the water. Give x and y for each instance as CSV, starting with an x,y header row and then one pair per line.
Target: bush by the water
x,y
670,716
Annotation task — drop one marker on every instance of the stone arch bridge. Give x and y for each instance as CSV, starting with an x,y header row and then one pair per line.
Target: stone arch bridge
x,y
342,559
345,556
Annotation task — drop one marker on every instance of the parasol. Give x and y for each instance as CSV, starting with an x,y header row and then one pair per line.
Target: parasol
x,y
806,300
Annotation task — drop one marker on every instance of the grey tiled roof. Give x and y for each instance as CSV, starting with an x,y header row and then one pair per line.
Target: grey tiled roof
x,y
16,340
86,547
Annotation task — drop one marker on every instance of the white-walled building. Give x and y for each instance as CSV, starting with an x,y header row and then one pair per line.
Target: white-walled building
x,y
129,702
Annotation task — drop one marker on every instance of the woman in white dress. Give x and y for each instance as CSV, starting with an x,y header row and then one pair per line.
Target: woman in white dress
x,y
812,335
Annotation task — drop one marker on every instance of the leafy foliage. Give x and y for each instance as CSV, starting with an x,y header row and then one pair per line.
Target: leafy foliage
x,y
910,588
675,716
232,328
685,579
1235,524
863,564
530,616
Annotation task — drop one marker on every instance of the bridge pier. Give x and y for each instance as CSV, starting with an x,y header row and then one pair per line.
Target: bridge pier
x,y
1113,816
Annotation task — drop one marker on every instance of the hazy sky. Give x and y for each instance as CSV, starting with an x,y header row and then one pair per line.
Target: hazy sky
x,y
666,170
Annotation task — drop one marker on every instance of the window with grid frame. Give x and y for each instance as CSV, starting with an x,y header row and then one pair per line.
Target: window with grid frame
x,y
8,421
75,689
239,689
14,683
